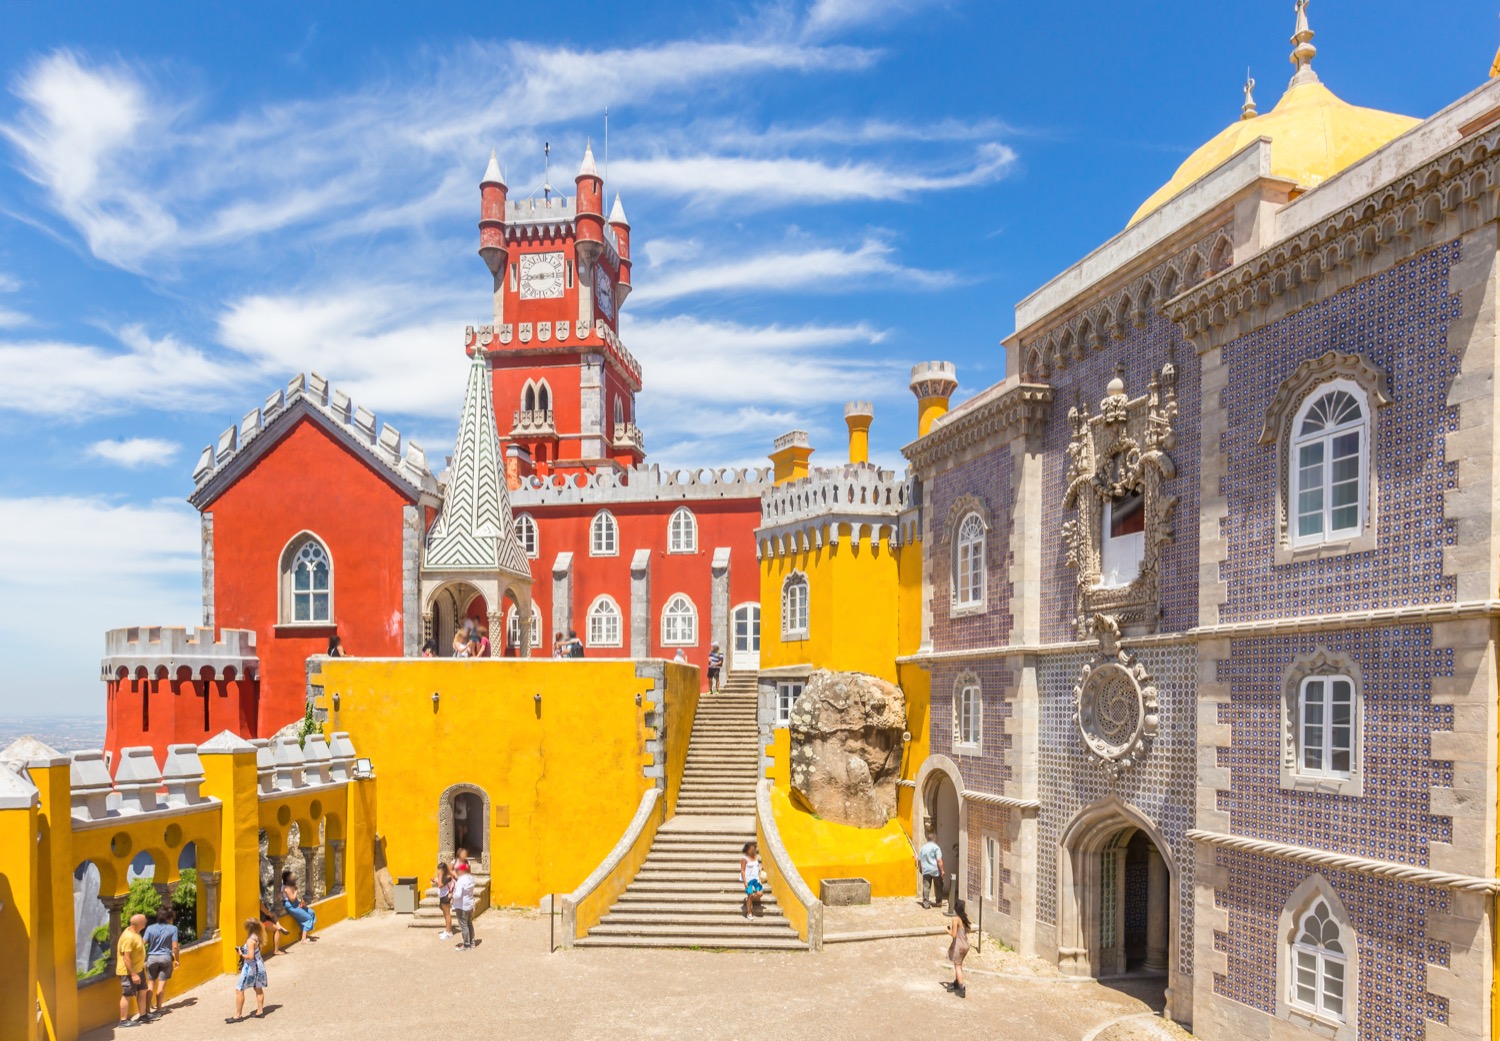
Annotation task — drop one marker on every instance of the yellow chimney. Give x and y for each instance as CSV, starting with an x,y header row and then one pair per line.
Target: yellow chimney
x,y
789,455
857,416
933,382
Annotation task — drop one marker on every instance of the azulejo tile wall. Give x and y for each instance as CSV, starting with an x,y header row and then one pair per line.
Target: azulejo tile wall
x,y
989,479
988,769
1398,321
989,820
1390,820
1161,786
1143,352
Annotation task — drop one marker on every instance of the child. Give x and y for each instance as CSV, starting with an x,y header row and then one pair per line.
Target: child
x,y
252,972
750,877
444,882
958,947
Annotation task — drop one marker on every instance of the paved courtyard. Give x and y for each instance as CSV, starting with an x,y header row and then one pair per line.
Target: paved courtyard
x,y
376,980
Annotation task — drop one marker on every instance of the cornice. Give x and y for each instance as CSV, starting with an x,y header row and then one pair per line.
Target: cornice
x,y
1017,412
1346,862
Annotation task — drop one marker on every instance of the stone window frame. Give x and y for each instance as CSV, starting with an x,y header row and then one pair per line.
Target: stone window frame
x,y
1304,898
604,521
601,606
1321,663
783,703
286,572
989,874
684,540
691,640
788,631
964,507
1307,383
965,682
528,535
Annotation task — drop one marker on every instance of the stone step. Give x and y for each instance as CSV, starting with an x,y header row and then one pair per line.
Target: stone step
x,y
746,929
688,876
723,916
768,943
686,903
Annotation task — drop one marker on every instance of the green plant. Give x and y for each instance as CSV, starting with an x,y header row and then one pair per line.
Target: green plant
x,y
185,904
143,899
308,726
100,944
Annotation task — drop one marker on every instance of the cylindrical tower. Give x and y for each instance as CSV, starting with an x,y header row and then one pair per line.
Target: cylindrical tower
x,y
621,227
492,217
857,416
933,382
589,206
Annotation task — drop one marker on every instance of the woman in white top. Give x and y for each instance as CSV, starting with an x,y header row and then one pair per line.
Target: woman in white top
x,y
751,877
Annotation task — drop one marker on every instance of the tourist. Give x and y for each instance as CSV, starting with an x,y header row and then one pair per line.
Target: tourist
x,y
162,953
958,947
480,642
463,905
335,647
715,663
930,858
429,649
559,648
303,915
461,644
751,877
271,924
252,972
680,657
444,882
575,645
130,966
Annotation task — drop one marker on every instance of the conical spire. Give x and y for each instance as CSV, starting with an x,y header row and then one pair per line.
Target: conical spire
x,y
1249,110
617,212
492,173
1303,50
588,169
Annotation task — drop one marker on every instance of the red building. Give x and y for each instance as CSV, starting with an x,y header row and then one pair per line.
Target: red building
x,y
318,523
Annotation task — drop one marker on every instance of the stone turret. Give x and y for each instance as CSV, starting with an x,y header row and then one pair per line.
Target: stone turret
x,y
620,227
492,190
933,382
588,240
789,455
858,416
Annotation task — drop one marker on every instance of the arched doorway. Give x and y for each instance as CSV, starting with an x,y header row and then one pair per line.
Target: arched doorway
x,y
939,810
464,823
451,605
745,653
1116,896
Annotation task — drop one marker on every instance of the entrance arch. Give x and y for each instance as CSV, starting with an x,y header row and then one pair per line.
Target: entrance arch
x,y
1117,896
937,807
464,822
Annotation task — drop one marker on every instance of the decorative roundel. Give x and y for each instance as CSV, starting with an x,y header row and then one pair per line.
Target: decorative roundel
x,y
1115,712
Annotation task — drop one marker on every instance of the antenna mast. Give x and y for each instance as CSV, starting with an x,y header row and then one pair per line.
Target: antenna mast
x,y
546,171
605,193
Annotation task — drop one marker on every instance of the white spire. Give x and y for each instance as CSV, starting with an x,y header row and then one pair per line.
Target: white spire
x,y
1303,50
492,173
617,213
588,169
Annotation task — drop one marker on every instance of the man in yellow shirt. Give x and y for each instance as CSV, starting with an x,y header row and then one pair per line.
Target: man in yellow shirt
x,y
130,966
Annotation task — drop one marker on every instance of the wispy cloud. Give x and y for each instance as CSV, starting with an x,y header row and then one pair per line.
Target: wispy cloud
x,y
830,16
136,453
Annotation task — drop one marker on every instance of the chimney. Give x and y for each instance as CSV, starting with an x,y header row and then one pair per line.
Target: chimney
x,y
858,416
789,455
933,382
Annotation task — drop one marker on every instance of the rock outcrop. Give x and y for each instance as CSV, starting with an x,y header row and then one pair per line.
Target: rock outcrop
x,y
847,730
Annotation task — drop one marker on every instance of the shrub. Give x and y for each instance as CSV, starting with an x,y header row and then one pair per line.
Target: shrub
x,y
309,726
185,903
143,899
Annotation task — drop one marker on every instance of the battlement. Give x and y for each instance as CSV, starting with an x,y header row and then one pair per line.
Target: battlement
x,y
934,379
641,484
791,439
837,492
858,408
381,441
161,652
538,334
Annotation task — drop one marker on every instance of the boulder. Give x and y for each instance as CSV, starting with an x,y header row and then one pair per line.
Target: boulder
x,y
847,730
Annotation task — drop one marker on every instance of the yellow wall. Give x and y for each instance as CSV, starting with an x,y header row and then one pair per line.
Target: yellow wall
x,y
593,907
822,849
20,921
564,777
680,710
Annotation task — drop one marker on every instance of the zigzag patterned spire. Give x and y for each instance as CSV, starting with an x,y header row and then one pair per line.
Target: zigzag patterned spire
x,y
474,531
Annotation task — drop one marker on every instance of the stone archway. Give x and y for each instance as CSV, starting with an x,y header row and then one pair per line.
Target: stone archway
x,y
938,805
464,821
1117,896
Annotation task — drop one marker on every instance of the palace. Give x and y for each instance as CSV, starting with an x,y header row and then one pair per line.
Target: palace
x,y
1181,639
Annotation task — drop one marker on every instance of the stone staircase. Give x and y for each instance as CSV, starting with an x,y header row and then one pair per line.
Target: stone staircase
x,y
688,892
430,916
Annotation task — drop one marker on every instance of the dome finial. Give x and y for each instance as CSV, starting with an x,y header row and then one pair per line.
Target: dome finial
x,y
1303,50
1249,112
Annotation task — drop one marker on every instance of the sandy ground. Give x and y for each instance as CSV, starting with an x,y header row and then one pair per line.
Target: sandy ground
x,y
376,980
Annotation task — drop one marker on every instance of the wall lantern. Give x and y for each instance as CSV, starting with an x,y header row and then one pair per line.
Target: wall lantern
x,y
335,701
434,700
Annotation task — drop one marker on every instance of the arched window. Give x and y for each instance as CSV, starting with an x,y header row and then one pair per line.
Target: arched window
x,y
619,413
306,582
682,531
604,623
1325,726
528,397
604,535
1319,963
543,396
526,534
969,563
1322,724
967,717
513,628
679,623
794,607
1329,464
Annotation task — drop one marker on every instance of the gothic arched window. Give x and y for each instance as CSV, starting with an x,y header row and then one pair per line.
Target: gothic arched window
x,y
604,623
794,597
604,535
1319,963
526,534
969,563
306,582
679,623
1329,464
682,531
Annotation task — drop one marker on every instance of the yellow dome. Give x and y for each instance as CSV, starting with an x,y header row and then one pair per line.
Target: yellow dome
x,y
1313,133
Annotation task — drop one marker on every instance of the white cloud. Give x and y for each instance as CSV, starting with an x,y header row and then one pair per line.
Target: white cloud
x,y
826,16
10,318
135,453
138,563
814,269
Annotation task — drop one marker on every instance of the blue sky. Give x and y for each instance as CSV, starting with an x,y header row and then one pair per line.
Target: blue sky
x,y
197,202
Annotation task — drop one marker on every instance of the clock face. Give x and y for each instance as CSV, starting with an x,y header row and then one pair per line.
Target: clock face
x,y
541,276
604,291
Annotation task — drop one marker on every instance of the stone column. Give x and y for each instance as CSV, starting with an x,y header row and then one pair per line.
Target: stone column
x,y
276,861
164,890
208,904
496,623
718,610
413,622
591,405
114,905
310,879
1158,911
562,593
336,855
640,604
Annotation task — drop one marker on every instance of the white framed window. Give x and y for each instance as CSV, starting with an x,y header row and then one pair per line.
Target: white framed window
x,y
306,582
968,707
969,568
1319,964
1325,726
604,535
1123,545
787,693
794,599
513,628
682,531
526,534
992,867
1322,723
604,623
544,396
1328,465
679,622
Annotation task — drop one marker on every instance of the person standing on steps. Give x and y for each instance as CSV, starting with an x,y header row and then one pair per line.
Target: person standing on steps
x,y
958,947
930,860
715,664
463,905
751,877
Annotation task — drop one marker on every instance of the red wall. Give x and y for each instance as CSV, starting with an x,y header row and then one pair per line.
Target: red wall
x,y
162,712
311,482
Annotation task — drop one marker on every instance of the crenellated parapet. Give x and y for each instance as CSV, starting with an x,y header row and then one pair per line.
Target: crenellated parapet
x,y
164,652
809,512
355,425
641,484
523,335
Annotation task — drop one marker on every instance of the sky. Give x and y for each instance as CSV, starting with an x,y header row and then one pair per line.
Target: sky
x,y
198,201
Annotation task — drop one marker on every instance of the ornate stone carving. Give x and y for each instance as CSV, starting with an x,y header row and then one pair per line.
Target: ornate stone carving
x,y
1114,702
1115,455
1313,373
961,508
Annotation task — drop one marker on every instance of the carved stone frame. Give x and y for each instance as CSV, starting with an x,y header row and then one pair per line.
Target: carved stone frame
x,y
961,508
1305,381
1322,662
1112,659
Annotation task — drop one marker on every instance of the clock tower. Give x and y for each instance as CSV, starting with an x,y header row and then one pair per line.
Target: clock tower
x,y
564,385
